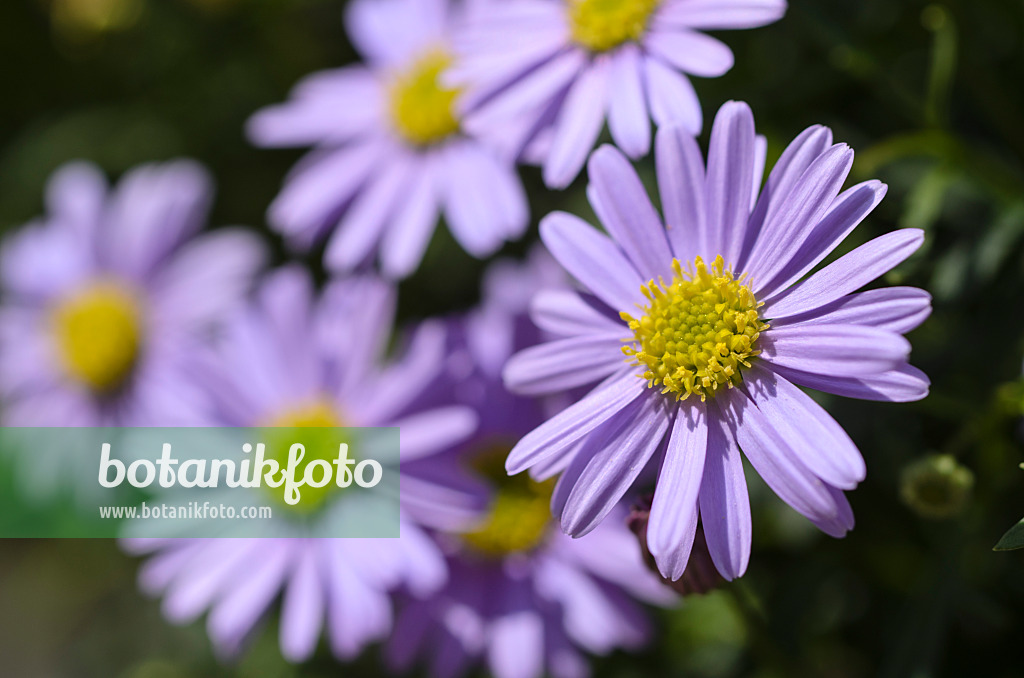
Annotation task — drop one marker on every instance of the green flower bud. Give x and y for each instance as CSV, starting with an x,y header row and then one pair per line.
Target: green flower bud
x,y
936,487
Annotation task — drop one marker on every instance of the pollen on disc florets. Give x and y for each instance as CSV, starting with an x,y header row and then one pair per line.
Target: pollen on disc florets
x,y
518,519
98,334
422,109
601,25
320,429
698,331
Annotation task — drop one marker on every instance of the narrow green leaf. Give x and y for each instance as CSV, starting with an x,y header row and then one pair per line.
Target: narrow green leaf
x,y
1013,539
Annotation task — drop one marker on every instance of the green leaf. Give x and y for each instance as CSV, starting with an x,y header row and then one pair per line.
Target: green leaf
x,y
1013,539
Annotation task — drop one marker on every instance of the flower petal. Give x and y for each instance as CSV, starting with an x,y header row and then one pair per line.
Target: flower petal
x,y
619,450
724,502
564,364
361,227
237,612
802,209
75,196
903,384
896,309
835,350
408,236
430,431
771,457
673,521
323,183
475,219
356,612
843,522
578,126
319,110
565,313
576,421
593,259
391,32
516,647
722,14
818,441
788,169
206,278
628,120
302,611
680,167
671,97
622,204
536,89
691,52
846,212
730,176
847,274
153,209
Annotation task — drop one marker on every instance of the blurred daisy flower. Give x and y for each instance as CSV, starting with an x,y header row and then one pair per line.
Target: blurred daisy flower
x,y
548,73
103,300
522,598
719,327
294,361
391,154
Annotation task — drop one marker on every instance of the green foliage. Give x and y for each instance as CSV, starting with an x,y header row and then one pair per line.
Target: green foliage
x,y
1013,539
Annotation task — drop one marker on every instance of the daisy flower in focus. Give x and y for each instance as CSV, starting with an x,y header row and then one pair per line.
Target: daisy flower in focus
x,y
549,73
292,360
703,325
104,298
522,598
391,154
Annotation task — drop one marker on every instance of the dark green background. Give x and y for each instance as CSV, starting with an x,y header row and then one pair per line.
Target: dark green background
x,y
930,96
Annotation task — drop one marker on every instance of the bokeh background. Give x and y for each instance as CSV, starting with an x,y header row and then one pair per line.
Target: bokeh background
x,y
931,95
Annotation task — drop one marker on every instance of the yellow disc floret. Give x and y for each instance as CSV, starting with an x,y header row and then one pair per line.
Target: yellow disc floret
x,y
517,521
601,25
98,332
422,109
698,331
518,518
316,426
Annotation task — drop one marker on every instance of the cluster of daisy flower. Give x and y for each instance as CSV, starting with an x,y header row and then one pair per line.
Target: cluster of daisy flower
x,y
657,352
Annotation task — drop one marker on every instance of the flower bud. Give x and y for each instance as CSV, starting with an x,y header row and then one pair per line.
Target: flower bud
x,y
936,487
701,575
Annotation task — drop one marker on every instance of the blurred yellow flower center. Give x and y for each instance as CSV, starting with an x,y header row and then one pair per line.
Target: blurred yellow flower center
x,y
422,109
697,333
315,425
98,332
519,516
601,25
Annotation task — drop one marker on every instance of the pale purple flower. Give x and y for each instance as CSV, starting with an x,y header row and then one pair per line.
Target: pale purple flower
x,y
549,73
391,155
535,615
720,324
104,298
523,599
289,360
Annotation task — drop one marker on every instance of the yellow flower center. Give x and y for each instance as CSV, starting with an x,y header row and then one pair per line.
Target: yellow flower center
x,y
315,426
519,516
422,110
697,333
98,332
601,25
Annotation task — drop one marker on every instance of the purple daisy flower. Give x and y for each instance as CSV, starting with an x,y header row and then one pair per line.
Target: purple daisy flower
x,y
291,360
719,325
522,597
548,73
105,297
391,153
